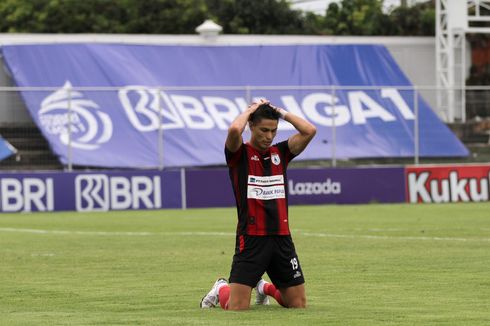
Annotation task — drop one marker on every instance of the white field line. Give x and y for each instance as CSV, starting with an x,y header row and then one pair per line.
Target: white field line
x,y
381,237
105,233
306,234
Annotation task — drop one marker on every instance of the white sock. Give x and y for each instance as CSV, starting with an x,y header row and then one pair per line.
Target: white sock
x,y
220,286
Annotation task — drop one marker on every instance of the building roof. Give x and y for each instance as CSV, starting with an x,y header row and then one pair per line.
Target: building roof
x,y
191,39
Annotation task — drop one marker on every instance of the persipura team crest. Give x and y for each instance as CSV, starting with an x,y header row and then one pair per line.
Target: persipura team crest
x,y
275,159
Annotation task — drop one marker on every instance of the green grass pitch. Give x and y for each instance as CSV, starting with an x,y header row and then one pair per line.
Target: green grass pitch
x,y
364,265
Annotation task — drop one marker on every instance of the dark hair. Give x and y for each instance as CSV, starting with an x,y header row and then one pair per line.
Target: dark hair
x,y
264,111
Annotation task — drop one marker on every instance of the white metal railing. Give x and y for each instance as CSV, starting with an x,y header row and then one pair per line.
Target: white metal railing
x,y
13,110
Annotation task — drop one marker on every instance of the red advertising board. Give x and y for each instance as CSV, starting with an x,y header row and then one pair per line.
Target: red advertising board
x,y
447,183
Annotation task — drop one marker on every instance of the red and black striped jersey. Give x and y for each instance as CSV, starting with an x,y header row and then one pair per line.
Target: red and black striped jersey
x,y
259,183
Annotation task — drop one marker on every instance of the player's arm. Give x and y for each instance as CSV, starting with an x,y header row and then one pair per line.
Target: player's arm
x,y
234,139
306,131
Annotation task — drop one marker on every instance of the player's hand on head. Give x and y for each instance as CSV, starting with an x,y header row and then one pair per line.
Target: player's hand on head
x,y
279,110
255,104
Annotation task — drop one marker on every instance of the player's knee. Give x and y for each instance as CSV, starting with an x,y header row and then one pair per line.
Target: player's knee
x,y
238,305
298,302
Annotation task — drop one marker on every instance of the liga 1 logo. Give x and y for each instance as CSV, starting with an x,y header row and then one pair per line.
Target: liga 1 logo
x,y
78,121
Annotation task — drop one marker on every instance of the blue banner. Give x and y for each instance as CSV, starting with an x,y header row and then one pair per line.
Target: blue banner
x,y
212,187
187,188
151,122
89,192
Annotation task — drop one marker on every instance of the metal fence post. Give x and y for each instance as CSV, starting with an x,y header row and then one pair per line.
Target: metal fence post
x,y
70,158
416,126
183,189
160,130
334,131
248,94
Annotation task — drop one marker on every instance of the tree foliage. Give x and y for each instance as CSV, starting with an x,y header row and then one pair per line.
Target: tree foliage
x,y
357,17
415,20
366,17
345,17
256,17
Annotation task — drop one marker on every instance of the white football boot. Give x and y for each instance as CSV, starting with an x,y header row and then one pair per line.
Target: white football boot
x,y
211,299
261,298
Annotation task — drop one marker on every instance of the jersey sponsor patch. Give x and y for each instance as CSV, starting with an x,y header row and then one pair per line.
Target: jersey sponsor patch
x,y
266,193
266,181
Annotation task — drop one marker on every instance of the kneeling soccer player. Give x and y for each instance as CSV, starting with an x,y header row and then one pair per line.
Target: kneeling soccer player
x,y
263,242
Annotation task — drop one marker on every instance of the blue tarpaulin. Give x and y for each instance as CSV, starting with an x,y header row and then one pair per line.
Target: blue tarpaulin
x,y
151,114
6,150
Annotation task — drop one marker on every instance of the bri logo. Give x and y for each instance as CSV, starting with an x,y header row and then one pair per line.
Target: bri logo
x,y
100,192
26,194
76,120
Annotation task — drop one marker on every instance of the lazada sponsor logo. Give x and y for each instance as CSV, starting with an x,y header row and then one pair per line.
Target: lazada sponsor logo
x,y
433,186
314,188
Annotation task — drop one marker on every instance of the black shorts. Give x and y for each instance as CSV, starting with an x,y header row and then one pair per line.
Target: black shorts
x,y
275,254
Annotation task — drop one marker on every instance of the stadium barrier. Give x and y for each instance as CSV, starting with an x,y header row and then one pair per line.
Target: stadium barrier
x,y
75,124
193,188
447,183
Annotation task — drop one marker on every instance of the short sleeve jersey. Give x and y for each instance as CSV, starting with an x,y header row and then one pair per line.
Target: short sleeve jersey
x,y
260,187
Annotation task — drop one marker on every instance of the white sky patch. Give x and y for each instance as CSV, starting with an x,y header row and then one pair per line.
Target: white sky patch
x,y
320,6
